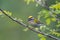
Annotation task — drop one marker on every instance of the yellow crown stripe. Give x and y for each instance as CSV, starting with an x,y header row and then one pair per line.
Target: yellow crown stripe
x,y
30,17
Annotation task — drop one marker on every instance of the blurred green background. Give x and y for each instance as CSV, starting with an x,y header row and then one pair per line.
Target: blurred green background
x,y
10,30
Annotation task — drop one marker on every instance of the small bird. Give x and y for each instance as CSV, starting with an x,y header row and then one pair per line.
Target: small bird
x,y
34,22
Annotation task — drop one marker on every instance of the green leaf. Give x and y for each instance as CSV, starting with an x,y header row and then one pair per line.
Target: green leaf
x,y
43,38
53,19
28,1
7,12
37,5
32,0
48,21
38,17
40,35
26,29
1,13
55,6
58,25
46,15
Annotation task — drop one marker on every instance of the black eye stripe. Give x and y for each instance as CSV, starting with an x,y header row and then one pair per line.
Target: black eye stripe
x,y
30,19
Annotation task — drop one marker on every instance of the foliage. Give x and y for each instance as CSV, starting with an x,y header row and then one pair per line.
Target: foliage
x,y
7,12
41,37
56,6
50,20
28,1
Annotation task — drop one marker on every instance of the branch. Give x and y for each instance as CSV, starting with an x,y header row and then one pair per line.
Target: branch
x,y
43,3
24,25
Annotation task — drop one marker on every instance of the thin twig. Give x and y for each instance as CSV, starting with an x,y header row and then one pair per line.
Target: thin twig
x,y
43,3
24,25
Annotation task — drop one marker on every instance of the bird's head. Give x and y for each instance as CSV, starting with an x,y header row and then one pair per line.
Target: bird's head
x,y
30,18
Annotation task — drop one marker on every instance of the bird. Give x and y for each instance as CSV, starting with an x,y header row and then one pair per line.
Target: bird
x,y
34,22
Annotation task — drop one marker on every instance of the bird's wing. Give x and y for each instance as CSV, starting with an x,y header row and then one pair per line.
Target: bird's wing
x,y
37,21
